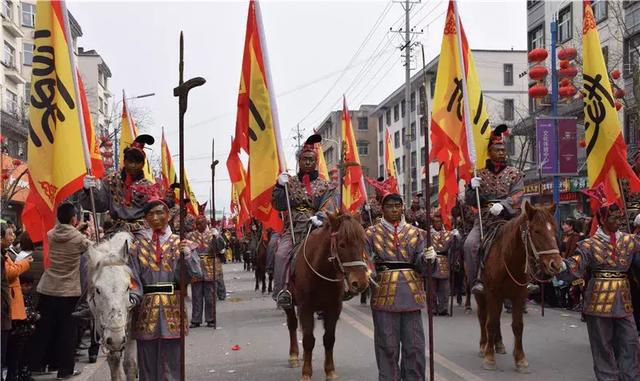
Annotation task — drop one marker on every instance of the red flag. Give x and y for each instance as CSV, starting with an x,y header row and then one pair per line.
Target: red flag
x,y
353,192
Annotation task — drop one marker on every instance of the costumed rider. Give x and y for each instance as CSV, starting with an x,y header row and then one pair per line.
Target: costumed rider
x,y
217,249
116,194
401,261
416,215
202,288
154,258
608,256
311,199
501,187
444,242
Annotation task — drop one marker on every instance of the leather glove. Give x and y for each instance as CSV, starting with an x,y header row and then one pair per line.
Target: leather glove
x,y
430,253
496,209
317,222
90,182
475,182
636,221
283,178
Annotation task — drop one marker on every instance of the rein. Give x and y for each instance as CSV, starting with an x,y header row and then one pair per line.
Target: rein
x,y
527,242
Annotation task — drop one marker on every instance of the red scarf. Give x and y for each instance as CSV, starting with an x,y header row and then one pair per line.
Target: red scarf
x,y
128,180
155,238
307,183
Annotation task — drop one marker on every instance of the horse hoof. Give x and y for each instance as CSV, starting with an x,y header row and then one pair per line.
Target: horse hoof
x,y
305,378
467,311
332,376
488,365
294,362
522,366
500,349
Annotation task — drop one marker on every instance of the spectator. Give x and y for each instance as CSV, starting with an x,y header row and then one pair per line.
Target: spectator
x,y
59,290
6,309
17,369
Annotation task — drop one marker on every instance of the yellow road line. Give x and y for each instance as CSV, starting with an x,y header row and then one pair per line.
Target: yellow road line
x,y
438,358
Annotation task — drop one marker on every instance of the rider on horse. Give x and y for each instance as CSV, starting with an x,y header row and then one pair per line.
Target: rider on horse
x,y
501,188
398,251
311,198
202,288
608,256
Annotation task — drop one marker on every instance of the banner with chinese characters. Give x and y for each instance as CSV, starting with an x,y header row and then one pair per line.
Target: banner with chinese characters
x,y
567,145
547,145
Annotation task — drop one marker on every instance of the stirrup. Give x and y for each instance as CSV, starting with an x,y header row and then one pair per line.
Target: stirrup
x,y
478,289
284,299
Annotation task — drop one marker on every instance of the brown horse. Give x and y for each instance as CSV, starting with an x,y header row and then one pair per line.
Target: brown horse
x,y
260,267
520,247
328,259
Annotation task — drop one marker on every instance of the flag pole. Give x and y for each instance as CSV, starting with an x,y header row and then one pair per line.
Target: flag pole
x,y
467,114
182,91
624,203
427,203
214,162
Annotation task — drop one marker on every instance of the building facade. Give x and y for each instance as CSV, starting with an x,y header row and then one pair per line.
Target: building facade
x,y
96,76
506,100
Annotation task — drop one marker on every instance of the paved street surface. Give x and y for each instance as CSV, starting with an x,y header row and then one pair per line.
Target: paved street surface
x,y
556,345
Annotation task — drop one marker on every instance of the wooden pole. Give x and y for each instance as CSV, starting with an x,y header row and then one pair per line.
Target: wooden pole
x,y
214,162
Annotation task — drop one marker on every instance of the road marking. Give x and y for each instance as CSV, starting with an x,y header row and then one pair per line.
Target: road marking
x,y
438,358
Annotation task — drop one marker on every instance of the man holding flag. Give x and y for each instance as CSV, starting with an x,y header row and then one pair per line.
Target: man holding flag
x,y
311,199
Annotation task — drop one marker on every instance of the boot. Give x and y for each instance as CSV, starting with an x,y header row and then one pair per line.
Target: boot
x,y
284,299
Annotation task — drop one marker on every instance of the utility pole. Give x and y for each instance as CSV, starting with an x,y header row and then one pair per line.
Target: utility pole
x,y
407,35
298,139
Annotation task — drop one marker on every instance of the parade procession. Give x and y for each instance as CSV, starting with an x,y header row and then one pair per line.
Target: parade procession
x,y
481,196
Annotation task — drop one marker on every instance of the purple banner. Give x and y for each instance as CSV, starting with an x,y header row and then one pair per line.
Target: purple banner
x,y
547,145
567,145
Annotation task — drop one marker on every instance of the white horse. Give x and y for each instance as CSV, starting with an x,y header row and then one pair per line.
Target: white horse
x,y
109,280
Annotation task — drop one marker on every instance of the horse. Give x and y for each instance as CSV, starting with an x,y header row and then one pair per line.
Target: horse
x,y
521,245
260,267
328,260
109,282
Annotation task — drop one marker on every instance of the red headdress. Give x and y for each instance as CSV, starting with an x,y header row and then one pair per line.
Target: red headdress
x,y
153,193
310,144
201,211
384,188
601,207
139,143
498,134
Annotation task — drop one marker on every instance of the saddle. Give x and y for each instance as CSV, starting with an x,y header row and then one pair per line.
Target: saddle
x,y
491,230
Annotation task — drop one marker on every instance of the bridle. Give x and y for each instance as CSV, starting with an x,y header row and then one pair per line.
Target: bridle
x,y
527,242
334,258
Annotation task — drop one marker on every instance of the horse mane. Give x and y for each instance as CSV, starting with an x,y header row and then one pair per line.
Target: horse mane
x,y
349,227
507,243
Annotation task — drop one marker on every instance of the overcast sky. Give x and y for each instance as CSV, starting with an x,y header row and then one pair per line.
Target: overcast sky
x,y
312,46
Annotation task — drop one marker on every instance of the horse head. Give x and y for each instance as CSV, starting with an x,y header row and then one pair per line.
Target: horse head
x,y
348,248
108,291
540,237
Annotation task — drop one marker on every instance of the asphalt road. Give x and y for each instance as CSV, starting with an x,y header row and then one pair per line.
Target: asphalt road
x,y
556,345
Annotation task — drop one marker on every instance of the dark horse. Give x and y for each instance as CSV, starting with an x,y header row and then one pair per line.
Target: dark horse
x,y
520,247
260,267
328,259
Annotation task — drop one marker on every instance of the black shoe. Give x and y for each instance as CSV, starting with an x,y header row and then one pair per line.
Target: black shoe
x,y
75,372
194,325
210,324
478,289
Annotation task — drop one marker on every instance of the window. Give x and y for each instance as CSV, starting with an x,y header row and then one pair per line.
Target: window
x,y
388,113
531,3
403,107
508,109
507,70
565,24
413,101
423,156
10,102
328,155
432,85
631,54
380,124
413,131
105,108
511,145
422,128
599,9
398,167
365,171
536,37
404,136
27,92
28,15
363,124
8,57
605,54
363,148
27,56
404,163
100,103
396,139
6,9
381,171
380,148
396,113
414,159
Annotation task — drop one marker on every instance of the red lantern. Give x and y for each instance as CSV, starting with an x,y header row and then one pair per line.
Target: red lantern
x,y
108,143
567,54
538,72
567,91
108,162
537,55
615,74
16,162
568,72
619,93
5,176
564,64
107,154
538,91
565,82
583,143
618,105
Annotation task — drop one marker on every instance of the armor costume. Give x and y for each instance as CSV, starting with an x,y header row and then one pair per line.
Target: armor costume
x,y
607,299
156,321
203,288
416,215
443,242
217,248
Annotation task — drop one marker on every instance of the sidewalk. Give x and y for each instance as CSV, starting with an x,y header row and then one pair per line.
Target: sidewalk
x,y
90,372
